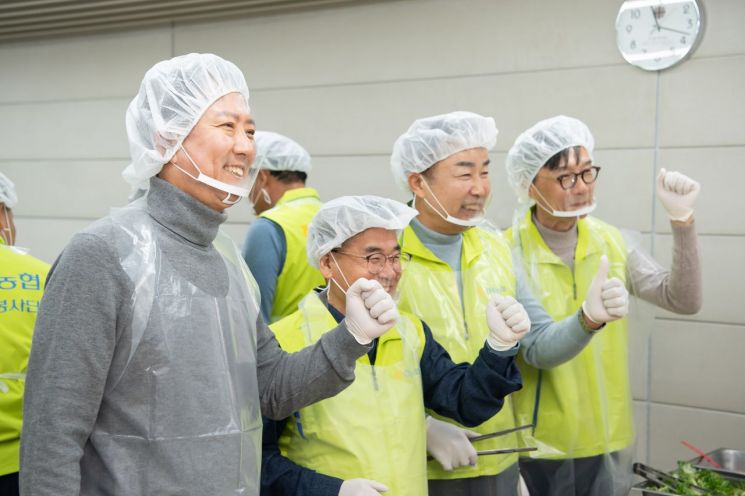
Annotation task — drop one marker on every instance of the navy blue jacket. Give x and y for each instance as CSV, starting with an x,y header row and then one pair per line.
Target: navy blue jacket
x,y
468,394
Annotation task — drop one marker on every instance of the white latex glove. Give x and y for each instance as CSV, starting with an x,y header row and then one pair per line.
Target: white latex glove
x,y
370,310
449,444
361,487
677,193
607,299
508,322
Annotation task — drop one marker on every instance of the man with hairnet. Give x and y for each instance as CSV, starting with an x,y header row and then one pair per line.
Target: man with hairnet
x,y
588,439
21,285
460,266
151,365
274,248
371,437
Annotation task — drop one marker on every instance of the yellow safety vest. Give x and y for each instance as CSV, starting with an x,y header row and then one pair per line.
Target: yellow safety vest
x,y
22,279
374,429
429,290
582,407
293,212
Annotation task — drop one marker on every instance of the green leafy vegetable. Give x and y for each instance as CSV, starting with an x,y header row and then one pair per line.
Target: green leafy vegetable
x,y
689,476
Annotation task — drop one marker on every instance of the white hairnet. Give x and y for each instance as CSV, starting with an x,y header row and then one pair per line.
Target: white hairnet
x,y
173,96
279,153
435,138
535,146
341,218
7,191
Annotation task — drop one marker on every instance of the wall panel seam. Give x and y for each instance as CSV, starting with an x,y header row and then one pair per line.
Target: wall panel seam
x,y
698,408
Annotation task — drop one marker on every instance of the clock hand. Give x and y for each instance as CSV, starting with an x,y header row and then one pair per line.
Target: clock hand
x,y
654,16
674,30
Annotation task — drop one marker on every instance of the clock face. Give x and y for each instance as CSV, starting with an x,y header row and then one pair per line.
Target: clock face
x,y
656,34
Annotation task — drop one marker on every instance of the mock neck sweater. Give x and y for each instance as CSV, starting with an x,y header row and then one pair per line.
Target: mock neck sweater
x,y
92,424
446,247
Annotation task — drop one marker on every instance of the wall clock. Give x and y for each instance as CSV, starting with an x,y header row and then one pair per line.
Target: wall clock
x,y
657,34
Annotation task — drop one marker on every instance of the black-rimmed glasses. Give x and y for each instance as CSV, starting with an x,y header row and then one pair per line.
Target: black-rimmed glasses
x,y
589,176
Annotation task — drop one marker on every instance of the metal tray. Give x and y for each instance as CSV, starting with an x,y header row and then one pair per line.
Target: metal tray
x,y
642,488
731,460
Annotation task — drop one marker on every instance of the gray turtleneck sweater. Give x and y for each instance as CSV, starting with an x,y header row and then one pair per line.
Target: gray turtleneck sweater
x,y
84,320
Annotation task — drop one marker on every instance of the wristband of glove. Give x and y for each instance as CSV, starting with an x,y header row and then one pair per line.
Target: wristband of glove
x,y
589,330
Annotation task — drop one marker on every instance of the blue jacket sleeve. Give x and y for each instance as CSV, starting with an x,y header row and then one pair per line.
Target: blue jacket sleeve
x,y
467,394
265,250
281,476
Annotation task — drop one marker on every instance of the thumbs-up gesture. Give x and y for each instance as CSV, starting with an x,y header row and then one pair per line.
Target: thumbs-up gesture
x,y
370,310
607,299
508,322
677,193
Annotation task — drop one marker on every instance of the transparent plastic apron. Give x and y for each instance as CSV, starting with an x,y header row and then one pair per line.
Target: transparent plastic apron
x,y
582,408
429,290
374,429
180,413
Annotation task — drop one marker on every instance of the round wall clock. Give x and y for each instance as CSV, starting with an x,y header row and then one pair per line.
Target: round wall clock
x,y
657,34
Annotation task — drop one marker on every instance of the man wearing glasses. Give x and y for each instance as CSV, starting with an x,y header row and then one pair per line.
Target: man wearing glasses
x,y
372,438
581,407
461,265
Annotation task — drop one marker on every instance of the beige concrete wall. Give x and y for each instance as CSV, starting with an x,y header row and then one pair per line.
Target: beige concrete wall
x,y
346,82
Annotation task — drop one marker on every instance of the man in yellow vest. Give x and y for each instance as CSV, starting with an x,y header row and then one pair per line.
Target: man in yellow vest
x,y
21,285
372,437
457,263
275,243
581,407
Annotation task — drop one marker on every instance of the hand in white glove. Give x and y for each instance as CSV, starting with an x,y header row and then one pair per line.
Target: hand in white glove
x,y
607,299
361,487
508,322
677,193
449,444
370,310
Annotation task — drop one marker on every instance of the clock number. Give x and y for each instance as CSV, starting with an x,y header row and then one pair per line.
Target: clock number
x,y
690,23
628,28
636,14
683,40
686,8
633,44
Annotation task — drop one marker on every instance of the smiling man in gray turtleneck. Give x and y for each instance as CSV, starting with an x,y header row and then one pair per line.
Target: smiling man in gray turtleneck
x,y
151,365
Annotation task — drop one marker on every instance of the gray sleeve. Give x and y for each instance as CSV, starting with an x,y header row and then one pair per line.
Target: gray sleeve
x,y
290,381
265,250
72,349
549,343
677,290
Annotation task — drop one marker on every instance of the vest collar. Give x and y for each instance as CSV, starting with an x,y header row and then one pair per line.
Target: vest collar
x,y
472,246
297,193
587,243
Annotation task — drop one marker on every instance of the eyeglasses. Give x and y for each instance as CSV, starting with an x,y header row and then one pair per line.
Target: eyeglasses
x,y
376,261
567,181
